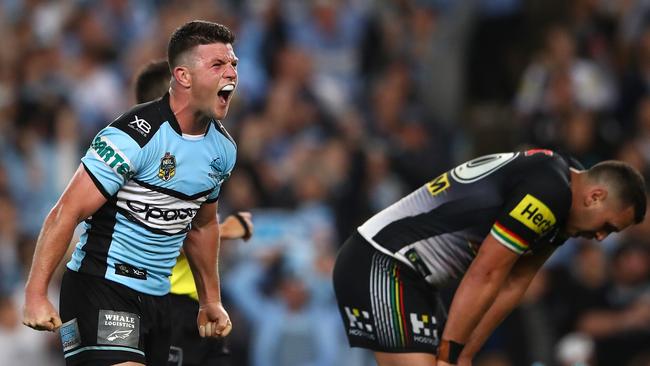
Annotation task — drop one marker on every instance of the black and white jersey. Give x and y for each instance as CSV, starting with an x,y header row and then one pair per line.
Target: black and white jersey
x,y
520,198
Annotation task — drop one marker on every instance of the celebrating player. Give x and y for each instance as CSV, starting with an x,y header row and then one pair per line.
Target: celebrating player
x,y
148,184
187,348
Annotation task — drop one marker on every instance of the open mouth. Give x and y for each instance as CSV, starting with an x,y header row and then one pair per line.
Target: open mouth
x,y
225,93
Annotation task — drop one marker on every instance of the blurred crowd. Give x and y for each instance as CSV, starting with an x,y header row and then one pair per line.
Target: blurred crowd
x,y
342,107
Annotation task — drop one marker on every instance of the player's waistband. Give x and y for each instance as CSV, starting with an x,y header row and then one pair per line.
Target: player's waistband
x,y
412,260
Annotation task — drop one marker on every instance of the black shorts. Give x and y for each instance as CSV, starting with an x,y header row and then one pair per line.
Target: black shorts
x,y
385,305
105,322
188,348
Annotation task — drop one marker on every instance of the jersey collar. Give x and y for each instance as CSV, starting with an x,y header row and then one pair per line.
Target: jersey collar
x,y
168,114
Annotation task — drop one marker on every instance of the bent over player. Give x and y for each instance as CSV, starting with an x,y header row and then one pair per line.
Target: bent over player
x,y
148,184
492,222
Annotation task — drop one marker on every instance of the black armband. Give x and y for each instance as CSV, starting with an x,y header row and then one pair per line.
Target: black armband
x,y
448,351
244,224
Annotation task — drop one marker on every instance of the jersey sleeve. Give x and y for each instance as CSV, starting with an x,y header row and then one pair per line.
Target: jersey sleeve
x,y
214,195
111,160
538,205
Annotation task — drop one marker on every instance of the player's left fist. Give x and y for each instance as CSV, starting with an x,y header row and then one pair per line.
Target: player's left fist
x,y
213,320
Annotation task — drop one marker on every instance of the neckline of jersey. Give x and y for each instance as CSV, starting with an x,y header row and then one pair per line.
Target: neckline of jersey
x,y
167,113
187,136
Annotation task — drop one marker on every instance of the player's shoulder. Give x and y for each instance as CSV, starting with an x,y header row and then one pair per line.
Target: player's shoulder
x,y
541,197
549,172
218,126
142,121
543,162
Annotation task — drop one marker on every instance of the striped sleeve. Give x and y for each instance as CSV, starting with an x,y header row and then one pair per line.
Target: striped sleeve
x,y
537,206
509,239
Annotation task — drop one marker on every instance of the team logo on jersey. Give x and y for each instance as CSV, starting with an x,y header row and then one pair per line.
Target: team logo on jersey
x,y
217,166
167,167
534,214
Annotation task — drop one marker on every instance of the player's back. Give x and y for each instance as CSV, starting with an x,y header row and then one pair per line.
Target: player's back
x,y
522,198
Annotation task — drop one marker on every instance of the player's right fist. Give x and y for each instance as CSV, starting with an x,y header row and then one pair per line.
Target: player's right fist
x,y
40,314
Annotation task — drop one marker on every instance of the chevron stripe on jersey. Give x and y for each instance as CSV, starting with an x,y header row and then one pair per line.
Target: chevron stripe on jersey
x,y
158,211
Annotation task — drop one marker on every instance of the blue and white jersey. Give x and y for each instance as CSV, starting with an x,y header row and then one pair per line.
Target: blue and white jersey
x,y
155,179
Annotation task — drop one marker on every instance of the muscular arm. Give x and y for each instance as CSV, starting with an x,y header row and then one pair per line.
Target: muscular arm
x,y
79,200
508,298
201,248
478,289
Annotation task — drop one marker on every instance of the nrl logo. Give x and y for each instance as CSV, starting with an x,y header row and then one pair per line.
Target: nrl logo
x,y
167,167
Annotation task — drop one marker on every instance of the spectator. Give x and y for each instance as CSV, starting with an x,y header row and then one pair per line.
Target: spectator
x,y
284,321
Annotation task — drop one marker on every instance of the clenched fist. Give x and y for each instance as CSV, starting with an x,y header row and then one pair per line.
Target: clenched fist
x,y
213,320
40,314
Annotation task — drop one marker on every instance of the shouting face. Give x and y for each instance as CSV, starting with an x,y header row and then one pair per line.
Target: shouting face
x,y
213,78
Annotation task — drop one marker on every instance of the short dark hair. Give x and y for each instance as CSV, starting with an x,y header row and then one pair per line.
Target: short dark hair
x,y
628,184
194,33
152,81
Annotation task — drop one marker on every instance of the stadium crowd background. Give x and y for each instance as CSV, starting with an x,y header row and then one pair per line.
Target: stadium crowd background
x,y
343,106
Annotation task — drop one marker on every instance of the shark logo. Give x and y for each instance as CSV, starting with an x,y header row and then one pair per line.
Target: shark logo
x,y
121,334
218,168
